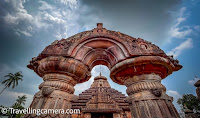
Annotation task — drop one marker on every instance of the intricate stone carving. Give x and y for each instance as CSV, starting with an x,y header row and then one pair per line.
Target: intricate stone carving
x,y
67,66
131,47
56,85
136,63
156,92
100,97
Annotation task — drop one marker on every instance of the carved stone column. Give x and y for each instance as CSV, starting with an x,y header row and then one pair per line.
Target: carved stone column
x,y
148,98
146,95
60,75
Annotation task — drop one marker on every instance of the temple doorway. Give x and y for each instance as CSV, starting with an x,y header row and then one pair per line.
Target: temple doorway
x,y
101,115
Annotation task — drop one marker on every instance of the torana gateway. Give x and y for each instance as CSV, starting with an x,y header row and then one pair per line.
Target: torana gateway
x,y
135,63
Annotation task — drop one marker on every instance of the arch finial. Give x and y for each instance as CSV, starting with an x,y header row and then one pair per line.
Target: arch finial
x,y
99,25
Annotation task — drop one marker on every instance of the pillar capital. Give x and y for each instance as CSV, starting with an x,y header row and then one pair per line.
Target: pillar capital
x,y
61,65
129,68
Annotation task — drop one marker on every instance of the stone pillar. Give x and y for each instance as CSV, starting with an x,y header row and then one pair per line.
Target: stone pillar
x,y
146,95
148,98
60,75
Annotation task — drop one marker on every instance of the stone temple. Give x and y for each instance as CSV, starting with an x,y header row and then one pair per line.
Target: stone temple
x,y
101,100
133,62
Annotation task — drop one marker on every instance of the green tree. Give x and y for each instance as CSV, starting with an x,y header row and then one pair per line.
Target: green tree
x,y
21,100
189,101
12,80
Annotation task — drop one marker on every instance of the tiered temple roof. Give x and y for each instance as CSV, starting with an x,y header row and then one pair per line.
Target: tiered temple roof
x,y
100,97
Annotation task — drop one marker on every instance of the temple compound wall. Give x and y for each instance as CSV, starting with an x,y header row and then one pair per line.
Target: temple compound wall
x,y
133,62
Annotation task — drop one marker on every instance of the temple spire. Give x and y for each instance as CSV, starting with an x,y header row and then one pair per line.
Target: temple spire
x,y
99,82
100,71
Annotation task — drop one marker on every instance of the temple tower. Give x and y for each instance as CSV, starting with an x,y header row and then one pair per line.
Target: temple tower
x,y
101,100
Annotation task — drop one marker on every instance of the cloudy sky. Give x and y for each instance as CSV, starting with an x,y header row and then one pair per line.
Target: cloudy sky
x,y
28,26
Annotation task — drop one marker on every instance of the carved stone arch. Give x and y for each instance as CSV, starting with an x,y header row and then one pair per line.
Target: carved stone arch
x,y
135,63
109,51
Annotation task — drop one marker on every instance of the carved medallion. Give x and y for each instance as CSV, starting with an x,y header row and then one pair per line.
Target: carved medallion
x,y
156,92
46,91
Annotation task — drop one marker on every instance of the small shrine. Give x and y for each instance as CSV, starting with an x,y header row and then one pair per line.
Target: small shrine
x,y
100,100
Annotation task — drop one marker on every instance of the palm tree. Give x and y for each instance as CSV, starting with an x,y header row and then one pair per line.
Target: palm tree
x,y
17,105
21,100
12,80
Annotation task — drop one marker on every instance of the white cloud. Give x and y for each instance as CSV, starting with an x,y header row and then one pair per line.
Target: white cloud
x,y
178,31
192,82
181,17
180,20
61,20
10,19
182,11
20,13
83,86
23,32
176,96
55,18
18,17
8,97
72,3
179,49
45,6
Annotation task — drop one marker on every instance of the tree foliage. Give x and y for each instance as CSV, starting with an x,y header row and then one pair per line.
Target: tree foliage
x,y
189,101
20,101
12,80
